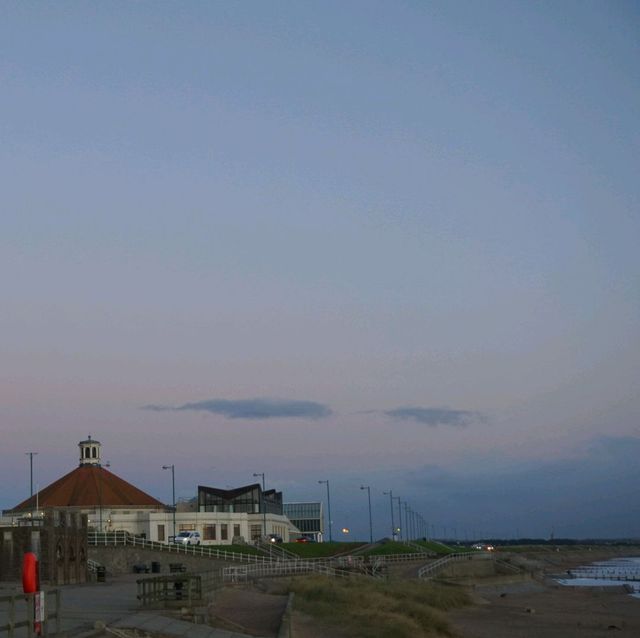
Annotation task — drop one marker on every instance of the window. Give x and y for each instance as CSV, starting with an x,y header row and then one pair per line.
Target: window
x,y
161,533
209,533
236,530
224,532
256,532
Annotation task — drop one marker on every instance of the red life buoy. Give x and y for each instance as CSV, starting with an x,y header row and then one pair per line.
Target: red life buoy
x,y
30,573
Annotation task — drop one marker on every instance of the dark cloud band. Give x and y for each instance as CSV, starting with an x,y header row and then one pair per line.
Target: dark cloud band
x,y
435,416
256,409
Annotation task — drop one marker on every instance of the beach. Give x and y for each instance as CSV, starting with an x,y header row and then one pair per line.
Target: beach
x,y
543,608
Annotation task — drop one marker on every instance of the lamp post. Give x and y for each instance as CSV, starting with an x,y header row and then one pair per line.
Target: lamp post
x,y
262,505
397,498
366,487
328,507
406,521
31,455
173,493
100,479
393,525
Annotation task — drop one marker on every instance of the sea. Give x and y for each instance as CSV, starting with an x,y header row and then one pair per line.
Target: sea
x,y
607,573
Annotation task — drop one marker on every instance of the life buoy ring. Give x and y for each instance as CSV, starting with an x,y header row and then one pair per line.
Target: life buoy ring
x,y
30,576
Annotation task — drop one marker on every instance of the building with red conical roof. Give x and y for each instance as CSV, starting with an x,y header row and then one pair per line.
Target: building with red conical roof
x,y
112,504
91,489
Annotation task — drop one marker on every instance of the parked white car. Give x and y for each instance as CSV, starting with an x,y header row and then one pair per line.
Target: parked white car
x,y
187,538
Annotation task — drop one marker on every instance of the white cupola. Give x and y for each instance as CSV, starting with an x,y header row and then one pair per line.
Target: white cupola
x,y
89,452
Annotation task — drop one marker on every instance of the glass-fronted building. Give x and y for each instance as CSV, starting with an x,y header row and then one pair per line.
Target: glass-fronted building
x,y
249,499
307,517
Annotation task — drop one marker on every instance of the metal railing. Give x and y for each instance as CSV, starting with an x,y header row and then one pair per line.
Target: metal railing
x,y
111,539
398,558
430,570
242,573
419,548
276,551
20,610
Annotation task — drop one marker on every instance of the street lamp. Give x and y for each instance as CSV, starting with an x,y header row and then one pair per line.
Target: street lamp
x,y
400,529
406,521
100,479
31,455
173,493
262,504
393,525
366,487
328,507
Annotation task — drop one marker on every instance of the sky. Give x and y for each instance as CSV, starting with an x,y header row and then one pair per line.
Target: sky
x,y
387,244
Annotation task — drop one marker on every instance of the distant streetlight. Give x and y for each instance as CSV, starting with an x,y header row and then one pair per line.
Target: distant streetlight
x,y
393,525
262,504
173,493
31,455
328,507
406,521
400,529
366,487
107,464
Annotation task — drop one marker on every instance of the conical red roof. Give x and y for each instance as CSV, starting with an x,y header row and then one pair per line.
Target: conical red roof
x,y
89,486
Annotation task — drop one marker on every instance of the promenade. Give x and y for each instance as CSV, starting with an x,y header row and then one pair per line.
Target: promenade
x,y
114,604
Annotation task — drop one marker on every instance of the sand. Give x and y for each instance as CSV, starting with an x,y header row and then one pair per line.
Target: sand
x,y
544,609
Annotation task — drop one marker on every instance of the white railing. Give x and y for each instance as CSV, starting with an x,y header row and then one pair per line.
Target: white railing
x,y
419,548
276,551
283,568
276,554
430,570
126,539
400,558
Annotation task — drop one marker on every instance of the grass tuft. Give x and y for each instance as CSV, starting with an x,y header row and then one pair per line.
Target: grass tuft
x,y
377,609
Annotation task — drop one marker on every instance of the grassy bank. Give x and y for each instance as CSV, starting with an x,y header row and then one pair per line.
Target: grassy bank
x,y
396,547
376,609
320,550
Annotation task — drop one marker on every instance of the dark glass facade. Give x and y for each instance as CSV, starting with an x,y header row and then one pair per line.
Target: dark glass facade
x,y
307,517
247,499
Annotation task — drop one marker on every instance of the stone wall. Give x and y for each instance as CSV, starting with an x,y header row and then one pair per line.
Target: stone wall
x,y
121,560
59,540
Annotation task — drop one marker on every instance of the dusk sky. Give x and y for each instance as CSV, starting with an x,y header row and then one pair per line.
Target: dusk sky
x,y
392,244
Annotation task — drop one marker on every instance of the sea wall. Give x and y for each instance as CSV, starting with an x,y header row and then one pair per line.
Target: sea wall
x,y
121,560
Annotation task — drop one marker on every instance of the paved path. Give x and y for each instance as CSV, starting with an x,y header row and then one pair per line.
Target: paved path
x,y
114,603
172,627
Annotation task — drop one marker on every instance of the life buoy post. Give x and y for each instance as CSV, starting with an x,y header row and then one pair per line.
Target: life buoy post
x,y
31,585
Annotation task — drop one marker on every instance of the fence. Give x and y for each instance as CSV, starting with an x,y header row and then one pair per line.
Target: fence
x,y
430,570
276,551
20,612
244,573
112,539
185,588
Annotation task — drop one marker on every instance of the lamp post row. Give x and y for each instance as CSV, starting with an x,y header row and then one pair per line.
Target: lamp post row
x,y
325,482
414,526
